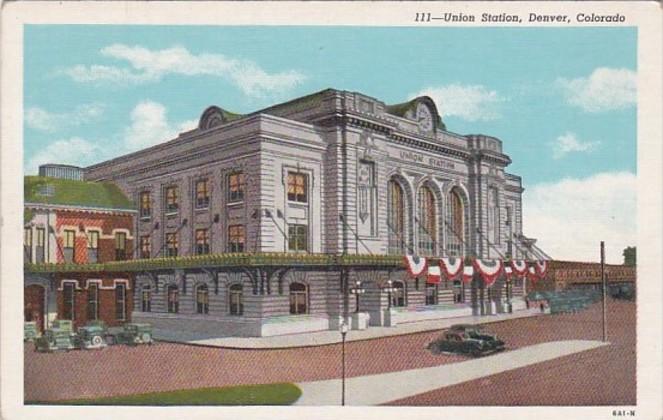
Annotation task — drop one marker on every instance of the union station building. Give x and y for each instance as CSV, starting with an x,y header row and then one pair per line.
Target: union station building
x,y
298,216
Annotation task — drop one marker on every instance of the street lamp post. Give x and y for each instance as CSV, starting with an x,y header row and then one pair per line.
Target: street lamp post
x,y
389,289
344,331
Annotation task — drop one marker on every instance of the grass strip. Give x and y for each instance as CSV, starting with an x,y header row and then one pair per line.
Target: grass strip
x,y
265,394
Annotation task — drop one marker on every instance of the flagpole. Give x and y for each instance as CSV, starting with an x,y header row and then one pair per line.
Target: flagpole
x,y
604,286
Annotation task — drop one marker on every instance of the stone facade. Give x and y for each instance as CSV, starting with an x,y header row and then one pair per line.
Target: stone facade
x,y
334,172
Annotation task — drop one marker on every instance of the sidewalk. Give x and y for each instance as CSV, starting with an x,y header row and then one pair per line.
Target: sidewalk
x,y
386,387
321,338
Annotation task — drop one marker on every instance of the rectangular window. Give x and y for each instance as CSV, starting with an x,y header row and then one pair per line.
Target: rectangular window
x,y
120,246
235,187
236,238
173,300
146,299
202,194
172,202
145,246
69,248
68,295
145,205
202,241
27,244
171,245
93,246
120,302
236,304
92,302
297,187
40,250
202,300
298,238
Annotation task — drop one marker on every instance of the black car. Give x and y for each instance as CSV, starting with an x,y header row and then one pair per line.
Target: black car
x,y
466,339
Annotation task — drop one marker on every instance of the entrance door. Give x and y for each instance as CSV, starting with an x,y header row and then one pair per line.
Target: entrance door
x,y
34,305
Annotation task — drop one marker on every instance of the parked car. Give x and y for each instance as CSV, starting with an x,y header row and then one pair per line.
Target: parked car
x,y
30,331
92,336
60,336
132,334
466,339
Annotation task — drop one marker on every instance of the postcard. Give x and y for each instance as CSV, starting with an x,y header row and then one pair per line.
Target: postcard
x,y
331,210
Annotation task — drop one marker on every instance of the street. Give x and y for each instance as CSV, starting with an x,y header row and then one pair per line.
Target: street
x,y
604,375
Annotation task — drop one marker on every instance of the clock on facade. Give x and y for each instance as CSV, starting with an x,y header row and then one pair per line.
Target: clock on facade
x,y
424,117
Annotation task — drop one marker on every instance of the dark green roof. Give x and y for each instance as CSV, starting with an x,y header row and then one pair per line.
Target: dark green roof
x,y
57,191
401,109
230,116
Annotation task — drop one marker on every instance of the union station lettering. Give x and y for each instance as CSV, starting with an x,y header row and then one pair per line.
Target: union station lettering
x,y
419,158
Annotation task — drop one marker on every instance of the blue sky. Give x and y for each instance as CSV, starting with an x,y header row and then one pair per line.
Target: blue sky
x,y
561,99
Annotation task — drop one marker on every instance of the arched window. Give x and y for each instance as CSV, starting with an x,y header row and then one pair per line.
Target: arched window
x,y
396,218
427,225
146,298
398,294
456,224
298,299
235,296
202,299
173,299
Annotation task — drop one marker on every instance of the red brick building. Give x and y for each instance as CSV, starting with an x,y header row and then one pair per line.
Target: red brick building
x,y
71,222
564,275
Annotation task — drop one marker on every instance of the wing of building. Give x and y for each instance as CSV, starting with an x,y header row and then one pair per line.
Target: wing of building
x,y
72,223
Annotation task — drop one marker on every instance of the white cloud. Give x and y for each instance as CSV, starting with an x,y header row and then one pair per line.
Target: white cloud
x,y
572,216
605,89
151,65
39,119
72,151
569,143
469,102
150,126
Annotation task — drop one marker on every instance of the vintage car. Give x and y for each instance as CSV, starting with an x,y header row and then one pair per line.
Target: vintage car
x,y
30,331
132,334
92,336
60,336
466,339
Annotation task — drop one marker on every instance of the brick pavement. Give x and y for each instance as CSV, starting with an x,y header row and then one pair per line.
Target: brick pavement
x,y
126,370
604,376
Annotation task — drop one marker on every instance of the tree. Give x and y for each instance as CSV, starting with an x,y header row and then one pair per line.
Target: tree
x,y
629,256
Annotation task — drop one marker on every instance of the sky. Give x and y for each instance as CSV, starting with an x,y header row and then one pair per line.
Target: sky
x,y
562,100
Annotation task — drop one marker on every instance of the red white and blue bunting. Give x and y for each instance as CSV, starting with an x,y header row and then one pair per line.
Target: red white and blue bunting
x,y
468,273
415,265
451,267
532,275
519,267
434,274
541,268
489,270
